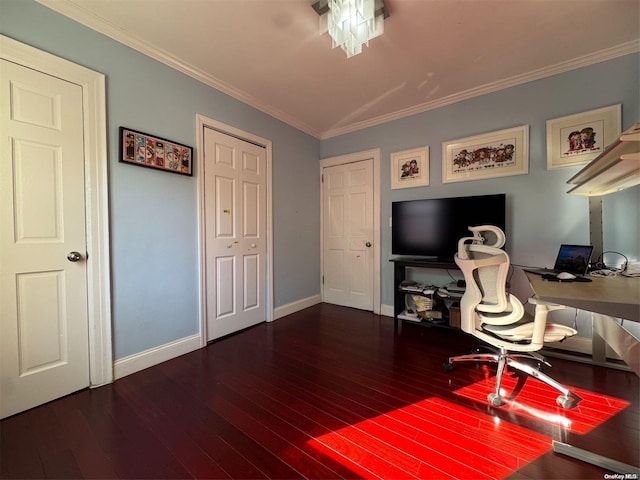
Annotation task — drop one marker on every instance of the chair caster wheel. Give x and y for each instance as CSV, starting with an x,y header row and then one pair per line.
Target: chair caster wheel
x,y
495,400
565,402
447,366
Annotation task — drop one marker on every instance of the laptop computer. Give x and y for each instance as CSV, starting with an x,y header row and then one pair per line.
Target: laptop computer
x,y
571,258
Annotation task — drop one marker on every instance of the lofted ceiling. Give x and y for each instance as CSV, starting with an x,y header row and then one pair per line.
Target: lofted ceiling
x,y
269,53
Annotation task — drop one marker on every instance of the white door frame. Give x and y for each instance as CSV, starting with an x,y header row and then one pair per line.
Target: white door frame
x,y
374,155
96,195
201,123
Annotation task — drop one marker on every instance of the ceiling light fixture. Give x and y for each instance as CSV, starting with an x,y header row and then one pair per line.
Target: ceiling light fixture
x,y
351,23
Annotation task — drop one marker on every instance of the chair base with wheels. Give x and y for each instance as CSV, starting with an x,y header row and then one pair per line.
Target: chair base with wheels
x,y
567,399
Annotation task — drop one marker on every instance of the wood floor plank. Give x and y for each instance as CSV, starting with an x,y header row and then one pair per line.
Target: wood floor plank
x,y
92,461
352,413
298,428
294,457
340,417
290,443
19,456
169,428
327,392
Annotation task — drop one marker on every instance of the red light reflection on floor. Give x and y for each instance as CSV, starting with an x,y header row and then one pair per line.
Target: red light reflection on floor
x,y
538,400
436,438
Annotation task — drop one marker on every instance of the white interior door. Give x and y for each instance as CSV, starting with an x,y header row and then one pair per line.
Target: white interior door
x,y
348,234
44,347
235,233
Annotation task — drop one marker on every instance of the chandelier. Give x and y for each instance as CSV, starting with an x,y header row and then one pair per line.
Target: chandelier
x,y
351,23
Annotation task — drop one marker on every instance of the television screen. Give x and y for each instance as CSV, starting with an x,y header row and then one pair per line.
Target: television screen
x,y
432,227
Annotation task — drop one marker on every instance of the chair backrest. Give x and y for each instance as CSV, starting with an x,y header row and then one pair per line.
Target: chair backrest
x,y
485,269
486,302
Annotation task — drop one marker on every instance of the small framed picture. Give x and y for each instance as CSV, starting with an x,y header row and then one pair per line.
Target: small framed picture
x,y
496,154
410,168
145,150
578,139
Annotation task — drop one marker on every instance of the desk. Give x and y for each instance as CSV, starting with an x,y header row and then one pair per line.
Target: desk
x,y
614,296
607,298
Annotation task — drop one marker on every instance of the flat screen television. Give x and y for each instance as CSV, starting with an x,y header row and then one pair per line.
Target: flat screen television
x,y
432,227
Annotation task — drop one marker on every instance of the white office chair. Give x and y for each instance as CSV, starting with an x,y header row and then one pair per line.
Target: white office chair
x,y
491,314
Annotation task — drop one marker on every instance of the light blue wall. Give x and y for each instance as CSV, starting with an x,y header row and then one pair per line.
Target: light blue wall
x,y
621,226
153,214
153,217
540,215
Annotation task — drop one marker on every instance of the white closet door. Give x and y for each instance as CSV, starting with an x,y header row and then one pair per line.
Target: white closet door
x,y
235,224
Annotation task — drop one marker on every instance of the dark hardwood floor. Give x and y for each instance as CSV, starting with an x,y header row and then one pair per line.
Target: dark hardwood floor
x,y
328,392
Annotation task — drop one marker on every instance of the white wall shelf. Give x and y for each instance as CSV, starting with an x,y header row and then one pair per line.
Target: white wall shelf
x,y
617,168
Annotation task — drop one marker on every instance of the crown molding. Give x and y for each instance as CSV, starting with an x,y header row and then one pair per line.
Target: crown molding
x,y
584,61
72,10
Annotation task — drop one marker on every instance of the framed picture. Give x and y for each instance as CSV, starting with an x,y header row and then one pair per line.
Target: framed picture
x,y
497,154
410,168
145,150
578,139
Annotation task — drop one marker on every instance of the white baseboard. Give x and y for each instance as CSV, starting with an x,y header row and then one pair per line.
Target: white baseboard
x,y
582,345
139,361
574,344
386,310
296,306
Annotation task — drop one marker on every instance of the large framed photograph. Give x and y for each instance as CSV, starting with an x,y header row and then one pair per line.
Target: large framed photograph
x,y
578,139
154,152
496,154
410,168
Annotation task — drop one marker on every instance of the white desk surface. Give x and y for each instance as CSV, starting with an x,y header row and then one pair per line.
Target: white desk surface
x,y
615,296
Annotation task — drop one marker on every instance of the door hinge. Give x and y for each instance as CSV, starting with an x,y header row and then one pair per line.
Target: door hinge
x,y
323,279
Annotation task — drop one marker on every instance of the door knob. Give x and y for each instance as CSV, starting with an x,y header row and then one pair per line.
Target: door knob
x,y
368,244
74,256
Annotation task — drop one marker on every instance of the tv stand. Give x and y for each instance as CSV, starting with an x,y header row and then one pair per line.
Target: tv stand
x,y
400,265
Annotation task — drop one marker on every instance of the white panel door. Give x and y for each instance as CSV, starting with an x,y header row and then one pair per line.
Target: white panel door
x,y
235,233
43,301
347,193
